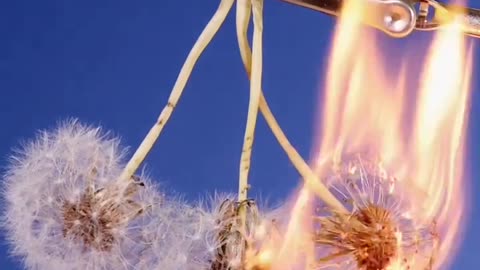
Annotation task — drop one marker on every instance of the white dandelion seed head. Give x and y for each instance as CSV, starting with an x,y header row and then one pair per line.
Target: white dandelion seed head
x,y
64,206
176,234
183,236
386,236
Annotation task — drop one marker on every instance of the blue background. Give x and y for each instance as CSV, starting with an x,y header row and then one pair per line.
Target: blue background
x,y
113,63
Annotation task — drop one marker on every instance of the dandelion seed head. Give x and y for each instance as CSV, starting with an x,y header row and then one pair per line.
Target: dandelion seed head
x,y
177,236
65,207
378,232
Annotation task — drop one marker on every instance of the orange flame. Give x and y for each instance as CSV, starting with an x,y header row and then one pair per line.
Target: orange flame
x,y
417,132
365,110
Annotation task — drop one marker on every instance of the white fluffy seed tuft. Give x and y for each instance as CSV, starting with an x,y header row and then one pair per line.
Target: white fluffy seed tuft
x,y
65,208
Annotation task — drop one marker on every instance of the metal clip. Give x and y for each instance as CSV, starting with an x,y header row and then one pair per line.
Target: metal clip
x,y
398,18
468,18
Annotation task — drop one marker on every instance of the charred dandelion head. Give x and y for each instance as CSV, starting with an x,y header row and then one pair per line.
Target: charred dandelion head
x,y
237,247
378,232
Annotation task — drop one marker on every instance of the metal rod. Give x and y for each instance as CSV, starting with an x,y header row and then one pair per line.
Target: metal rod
x,y
329,7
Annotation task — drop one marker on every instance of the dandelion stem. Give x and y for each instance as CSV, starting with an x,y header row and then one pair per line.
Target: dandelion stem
x,y
244,7
202,42
311,180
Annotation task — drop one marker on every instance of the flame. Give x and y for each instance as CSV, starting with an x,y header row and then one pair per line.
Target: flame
x,y
365,110
416,131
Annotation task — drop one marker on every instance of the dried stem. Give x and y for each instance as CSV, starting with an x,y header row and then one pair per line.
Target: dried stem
x,y
255,88
202,42
311,180
244,9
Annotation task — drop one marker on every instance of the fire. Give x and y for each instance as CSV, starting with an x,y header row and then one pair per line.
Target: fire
x,y
404,142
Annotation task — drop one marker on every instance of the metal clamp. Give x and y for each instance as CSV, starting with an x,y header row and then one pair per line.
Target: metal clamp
x,y
398,18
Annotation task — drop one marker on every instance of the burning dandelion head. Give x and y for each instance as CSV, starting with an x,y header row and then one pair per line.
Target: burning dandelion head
x,y
67,209
404,191
377,231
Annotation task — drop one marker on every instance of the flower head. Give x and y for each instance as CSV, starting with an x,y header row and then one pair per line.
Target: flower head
x,y
66,207
176,233
378,233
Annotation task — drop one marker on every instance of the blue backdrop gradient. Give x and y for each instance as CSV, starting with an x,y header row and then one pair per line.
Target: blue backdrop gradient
x,y
113,63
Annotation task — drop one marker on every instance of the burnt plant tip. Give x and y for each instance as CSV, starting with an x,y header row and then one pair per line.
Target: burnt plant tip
x,y
232,243
368,235
226,224
376,244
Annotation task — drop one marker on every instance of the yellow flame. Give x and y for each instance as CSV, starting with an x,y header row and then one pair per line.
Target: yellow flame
x,y
418,131
364,109
439,140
